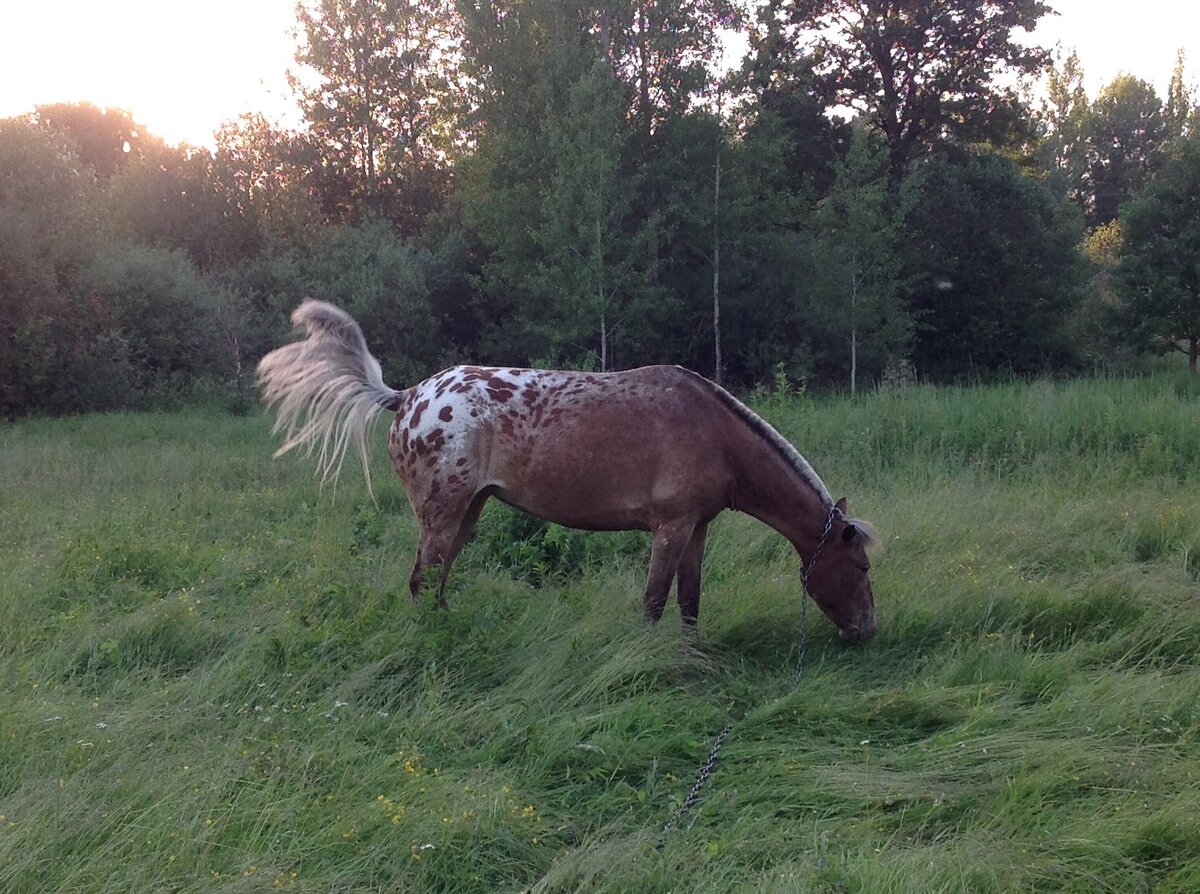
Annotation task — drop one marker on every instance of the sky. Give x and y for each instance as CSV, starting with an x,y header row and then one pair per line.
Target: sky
x,y
184,68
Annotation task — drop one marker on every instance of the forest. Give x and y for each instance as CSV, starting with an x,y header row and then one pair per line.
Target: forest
x,y
877,193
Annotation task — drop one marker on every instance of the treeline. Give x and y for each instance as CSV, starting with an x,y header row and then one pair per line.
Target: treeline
x,y
539,182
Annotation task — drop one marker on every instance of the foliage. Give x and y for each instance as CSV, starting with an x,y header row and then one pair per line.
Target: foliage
x,y
554,154
859,291
527,181
1160,264
918,68
378,96
155,298
1125,132
381,280
215,680
268,174
993,266
1063,150
105,140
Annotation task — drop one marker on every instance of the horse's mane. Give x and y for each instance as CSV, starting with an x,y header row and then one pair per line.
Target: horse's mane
x,y
768,433
784,448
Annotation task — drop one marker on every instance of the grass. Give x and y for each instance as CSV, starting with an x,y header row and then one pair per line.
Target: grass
x,y
214,680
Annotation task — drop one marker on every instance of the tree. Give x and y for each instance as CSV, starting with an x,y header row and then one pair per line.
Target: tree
x,y
176,198
381,279
1180,105
779,89
661,49
48,214
548,192
1065,116
380,101
766,258
267,175
859,266
584,261
920,70
162,311
104,139
993,266
1159,271
1125,131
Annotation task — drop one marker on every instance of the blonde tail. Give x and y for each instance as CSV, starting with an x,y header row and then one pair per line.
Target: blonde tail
x,y
327,388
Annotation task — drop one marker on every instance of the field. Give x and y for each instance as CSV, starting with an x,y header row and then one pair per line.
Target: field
x,y
213,678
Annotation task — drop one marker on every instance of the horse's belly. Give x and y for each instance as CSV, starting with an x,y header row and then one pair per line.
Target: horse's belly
x,y
576,513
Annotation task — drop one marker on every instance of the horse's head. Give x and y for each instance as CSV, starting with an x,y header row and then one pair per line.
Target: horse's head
x,y
839,579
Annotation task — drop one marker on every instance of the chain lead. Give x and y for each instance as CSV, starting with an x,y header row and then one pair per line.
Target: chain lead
x,y
805,571
705,772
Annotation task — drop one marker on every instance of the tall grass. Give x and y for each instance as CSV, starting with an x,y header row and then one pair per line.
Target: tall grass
x,y
214,679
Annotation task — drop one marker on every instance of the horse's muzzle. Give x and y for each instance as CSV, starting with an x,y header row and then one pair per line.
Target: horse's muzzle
x,y
856,634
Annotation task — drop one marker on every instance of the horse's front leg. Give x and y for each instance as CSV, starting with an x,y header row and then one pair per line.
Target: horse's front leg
x,y
688,577
670,541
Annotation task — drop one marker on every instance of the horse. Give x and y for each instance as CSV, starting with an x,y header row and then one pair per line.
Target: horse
x,y
658,449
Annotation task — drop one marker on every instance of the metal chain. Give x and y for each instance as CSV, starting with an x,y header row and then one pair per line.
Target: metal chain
x,y
705,772
805,571
801,643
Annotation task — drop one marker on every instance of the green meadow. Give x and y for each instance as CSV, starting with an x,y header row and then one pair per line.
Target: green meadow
x,y
213,678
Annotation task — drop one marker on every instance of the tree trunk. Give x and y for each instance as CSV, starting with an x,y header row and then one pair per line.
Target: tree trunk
x,y
1193,350
600,298
854,325
853,362
717,271
603,342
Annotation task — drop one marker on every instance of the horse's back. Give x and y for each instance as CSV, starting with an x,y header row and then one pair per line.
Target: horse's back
x,y
597,450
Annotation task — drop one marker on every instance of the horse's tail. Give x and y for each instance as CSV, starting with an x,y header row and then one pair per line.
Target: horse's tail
x,y
327,388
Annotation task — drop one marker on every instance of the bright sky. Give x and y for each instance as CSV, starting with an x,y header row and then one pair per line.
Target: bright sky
x,y
181,68
184,68
1116,36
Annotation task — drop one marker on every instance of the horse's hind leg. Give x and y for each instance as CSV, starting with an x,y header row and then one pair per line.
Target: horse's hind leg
x,y
444,532
688,577
670,541
465,526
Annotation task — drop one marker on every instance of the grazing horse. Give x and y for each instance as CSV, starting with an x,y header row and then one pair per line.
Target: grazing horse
x,y
656,449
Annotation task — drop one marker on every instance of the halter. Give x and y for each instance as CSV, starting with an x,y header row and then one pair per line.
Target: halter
x,y
806,570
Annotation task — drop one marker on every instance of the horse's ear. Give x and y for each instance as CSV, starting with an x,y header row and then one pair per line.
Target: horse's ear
x,y
848,533
840,505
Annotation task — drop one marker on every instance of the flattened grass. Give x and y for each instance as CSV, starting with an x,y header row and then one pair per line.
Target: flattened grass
x,y
214,679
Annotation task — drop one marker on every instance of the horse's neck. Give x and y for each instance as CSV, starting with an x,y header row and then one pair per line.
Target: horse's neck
x,y
777,494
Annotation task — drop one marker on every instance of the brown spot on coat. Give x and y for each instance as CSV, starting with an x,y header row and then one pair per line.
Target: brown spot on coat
x,y
416,414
